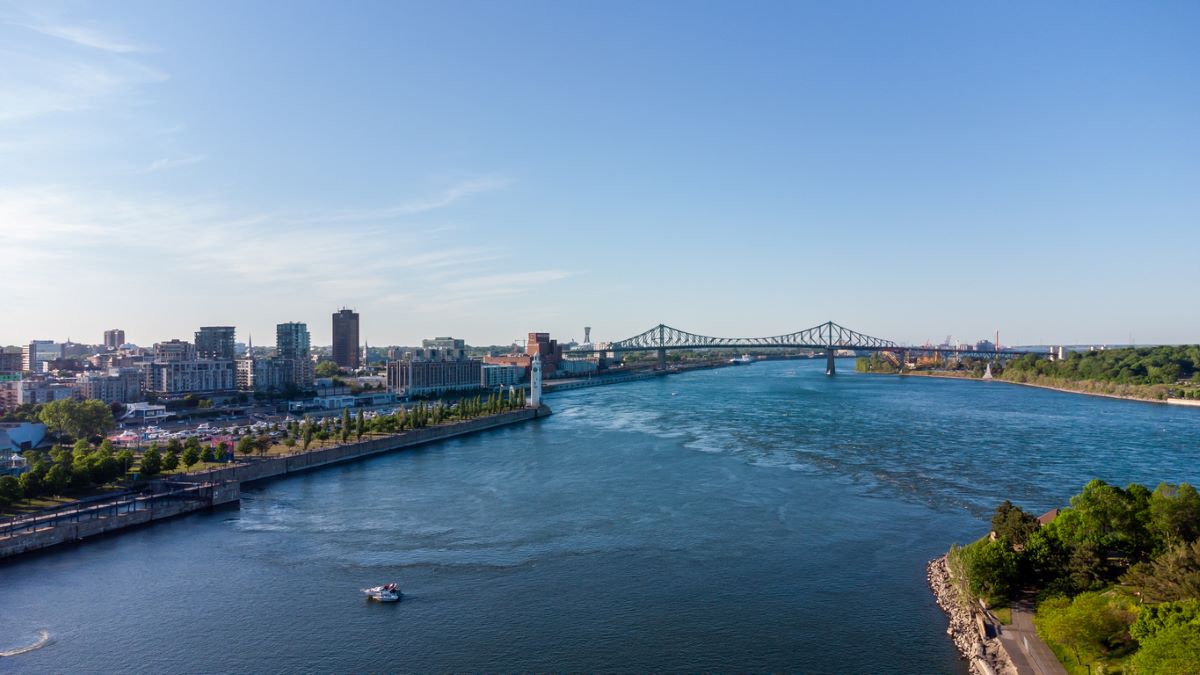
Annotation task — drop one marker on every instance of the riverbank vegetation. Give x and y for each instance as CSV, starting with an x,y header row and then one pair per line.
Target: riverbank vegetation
x,y
1115,577
1147,373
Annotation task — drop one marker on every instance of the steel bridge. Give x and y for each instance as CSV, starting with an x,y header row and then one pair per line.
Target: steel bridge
x,y
828,337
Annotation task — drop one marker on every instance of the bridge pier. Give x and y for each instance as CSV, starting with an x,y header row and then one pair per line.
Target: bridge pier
x,y
662,359
830,364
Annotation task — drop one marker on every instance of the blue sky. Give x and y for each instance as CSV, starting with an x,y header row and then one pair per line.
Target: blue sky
x,y
911,170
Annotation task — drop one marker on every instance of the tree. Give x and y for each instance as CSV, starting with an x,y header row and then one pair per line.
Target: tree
x,y
992,569
1174,575
170,461
1174,514
1172,651
1013,524
345,427
10,490
190,456
327,369
77,419
151,461
56,479
124,459
359,426
308,434
1153,619
207,454
1090,625
245,445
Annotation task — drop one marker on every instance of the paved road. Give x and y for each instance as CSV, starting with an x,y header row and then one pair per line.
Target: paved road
x,y
1029,653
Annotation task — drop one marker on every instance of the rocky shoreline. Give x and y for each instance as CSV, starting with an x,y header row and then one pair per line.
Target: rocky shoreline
x,y
968,625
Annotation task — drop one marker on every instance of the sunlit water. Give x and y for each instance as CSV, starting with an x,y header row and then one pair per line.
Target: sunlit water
x,y
753,518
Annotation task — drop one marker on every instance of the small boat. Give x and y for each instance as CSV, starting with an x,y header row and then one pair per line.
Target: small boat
x,y
743,361
384,593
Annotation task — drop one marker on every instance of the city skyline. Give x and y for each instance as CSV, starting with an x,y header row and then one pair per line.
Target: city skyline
x,y
909,172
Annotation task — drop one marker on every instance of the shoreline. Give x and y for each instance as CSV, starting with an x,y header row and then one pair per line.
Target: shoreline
x,y
1118,397
967,625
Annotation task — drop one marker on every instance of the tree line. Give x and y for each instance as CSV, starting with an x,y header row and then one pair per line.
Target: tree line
x,y
1117,573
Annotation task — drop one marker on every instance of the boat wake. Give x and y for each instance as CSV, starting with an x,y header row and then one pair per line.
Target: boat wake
x,y
43,640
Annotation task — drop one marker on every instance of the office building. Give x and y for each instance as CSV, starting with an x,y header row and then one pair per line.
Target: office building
x,y
540,344
493,376
345,339
215,342
113,339
35,354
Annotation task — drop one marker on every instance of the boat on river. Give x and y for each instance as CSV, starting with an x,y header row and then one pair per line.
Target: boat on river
x,y
385,593
745,360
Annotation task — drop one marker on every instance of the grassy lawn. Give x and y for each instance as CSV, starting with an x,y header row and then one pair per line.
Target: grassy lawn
x,y
1004,614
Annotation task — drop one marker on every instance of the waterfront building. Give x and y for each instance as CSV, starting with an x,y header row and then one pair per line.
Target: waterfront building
x,y
577,367
492,375
540,344
35,354
345,339
292,348
439,365
117,385
174,350
145,413
269,374
195,376
113,339
215,342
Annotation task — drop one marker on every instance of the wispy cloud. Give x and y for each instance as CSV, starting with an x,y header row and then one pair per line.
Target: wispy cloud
x,y
85,36
317,254
171,163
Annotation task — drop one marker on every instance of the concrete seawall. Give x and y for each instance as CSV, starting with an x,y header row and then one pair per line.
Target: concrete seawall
x,y
223,486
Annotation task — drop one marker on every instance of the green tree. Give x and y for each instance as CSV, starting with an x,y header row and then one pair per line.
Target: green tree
x,y
77,419
170,461
124,459
190,456
208,454
1174,575
245,445
1013,524
345,426
327,369
308,434
57,479
992,569
151,461
10,489
359,426
1174,514
1091,625
1152,619
1172,651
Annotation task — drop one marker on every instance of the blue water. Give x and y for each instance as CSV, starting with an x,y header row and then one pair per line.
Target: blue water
x,y
755,518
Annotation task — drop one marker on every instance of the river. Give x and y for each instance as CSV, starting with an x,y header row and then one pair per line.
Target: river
x,y
763,517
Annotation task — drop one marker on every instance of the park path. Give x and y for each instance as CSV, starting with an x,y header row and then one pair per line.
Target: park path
x,y
1026,648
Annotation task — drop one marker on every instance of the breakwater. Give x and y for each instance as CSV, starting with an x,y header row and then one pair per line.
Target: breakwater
x,y
973,630
217,487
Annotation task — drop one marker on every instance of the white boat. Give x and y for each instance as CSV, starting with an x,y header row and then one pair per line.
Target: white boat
x,y
744,360
385,593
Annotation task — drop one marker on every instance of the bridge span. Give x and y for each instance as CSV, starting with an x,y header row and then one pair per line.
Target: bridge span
x,y
828,337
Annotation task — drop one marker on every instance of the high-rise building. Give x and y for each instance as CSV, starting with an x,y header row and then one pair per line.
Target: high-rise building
x,y
113,338
10,362
215,342
292,347
345,339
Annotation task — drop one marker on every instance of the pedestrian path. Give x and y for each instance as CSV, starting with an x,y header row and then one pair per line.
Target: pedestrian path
x,y
1026,649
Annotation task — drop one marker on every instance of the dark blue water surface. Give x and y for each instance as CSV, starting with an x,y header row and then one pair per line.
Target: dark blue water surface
x,y
755,518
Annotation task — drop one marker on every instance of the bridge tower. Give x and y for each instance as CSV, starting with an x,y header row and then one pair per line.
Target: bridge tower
x,y
662,353
830,364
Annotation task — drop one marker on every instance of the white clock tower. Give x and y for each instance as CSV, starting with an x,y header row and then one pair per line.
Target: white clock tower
x,y
535,381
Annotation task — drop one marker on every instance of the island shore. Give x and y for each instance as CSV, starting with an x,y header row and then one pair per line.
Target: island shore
x,y
946,376
968,625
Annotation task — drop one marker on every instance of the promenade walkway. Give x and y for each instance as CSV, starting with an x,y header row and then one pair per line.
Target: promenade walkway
x,y
1027,650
